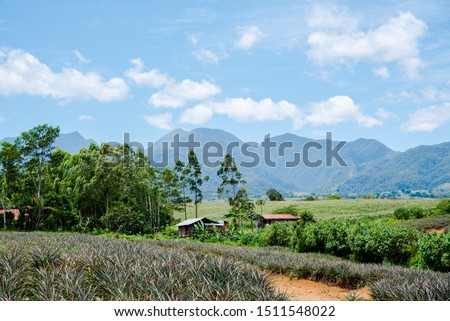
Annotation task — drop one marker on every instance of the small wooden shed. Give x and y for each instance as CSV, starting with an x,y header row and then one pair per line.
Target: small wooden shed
x,y
186,228
274,218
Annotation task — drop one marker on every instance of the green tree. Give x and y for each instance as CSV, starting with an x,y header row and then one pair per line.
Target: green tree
x,y
230,176
260,203
274,195
195,179
35,147
242,208
11,180
9,175
182,172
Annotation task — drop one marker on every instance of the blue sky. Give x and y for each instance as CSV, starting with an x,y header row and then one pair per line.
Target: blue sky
x,y
104,68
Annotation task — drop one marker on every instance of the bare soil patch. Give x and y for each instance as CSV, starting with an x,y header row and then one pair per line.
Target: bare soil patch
x,y
435,230
307,290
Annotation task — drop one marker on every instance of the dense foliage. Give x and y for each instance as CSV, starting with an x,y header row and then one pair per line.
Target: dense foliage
x,y
406,213
363,241
101,187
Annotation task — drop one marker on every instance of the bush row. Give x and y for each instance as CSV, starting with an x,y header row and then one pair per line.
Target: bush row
x,y
363,241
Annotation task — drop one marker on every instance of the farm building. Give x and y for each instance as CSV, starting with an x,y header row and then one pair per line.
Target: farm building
x,y
219,226
186,228
16,213
274,218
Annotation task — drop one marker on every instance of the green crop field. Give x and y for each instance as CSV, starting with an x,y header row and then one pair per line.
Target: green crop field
x,y
37,266
54,267
321,209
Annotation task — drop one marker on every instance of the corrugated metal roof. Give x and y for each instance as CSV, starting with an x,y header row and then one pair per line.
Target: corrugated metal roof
x,y
195,220
280,217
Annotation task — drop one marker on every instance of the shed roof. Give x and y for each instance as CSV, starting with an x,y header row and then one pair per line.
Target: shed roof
x,y
280,217
16,213
196,220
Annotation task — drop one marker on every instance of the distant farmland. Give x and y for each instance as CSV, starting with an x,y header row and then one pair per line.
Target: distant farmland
x,y
321,209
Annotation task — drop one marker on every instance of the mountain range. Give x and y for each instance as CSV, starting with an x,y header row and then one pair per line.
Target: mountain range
x,y
367,165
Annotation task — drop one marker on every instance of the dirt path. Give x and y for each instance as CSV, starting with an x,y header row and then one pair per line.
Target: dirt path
x,y
435,230
306,290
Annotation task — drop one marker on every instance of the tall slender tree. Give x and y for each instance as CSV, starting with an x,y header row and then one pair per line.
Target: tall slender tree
x,y
194,179
182,172
231,178
9,174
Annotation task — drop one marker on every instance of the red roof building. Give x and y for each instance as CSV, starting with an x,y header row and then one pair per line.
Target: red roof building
x,y
16,213
273,218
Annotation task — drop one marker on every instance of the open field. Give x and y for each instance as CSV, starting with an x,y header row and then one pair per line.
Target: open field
x,y
322,209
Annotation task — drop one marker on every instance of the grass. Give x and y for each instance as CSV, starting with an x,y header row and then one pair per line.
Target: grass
x,y
322,209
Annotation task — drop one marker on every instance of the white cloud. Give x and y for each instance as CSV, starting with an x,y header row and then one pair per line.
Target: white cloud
x,y
428,119
245,110
331,17
394,41
22,73
171,93
85,118
2,118
208,56
382,72
163,121
248,36
193,39
333,111
80,57
198,115
175,95
336,110
383,114
152,78
429,93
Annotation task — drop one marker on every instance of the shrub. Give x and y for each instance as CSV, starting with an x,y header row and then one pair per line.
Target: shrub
x,y
307,216
311,198
417,212
171,231
363,241
443,206
251,239
405,213
277,234
434,251
401,213
377,244
369,196
123,218
330,236
333,197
